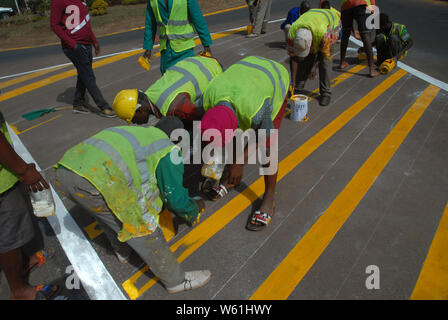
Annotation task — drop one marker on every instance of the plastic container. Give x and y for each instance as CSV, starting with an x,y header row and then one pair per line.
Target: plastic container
x,y
43,203
144,63
250,29
387,66
299,107
213,170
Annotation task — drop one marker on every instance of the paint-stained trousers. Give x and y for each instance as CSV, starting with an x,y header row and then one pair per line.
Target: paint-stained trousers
x,y
152,248
263,12
304,70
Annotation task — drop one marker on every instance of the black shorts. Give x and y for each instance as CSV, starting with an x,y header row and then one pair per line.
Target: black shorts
x,y
357,13
16,226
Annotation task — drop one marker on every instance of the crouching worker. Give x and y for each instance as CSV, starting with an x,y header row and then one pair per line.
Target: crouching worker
x,y
251,94
393,40
123,176
177,93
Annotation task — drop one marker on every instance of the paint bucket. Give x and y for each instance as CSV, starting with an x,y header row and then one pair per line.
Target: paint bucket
x,y
387,66
250,28
144,63
299,107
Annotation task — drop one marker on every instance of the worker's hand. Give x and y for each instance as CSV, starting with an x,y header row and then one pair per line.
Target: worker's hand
x,y
201,205
32,179
312,74
147,54
235,174
208,50
97,48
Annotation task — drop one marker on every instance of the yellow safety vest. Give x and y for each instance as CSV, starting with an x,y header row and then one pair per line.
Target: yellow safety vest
x,y
121,163
179,30
190,75
318,21
248,85
7,178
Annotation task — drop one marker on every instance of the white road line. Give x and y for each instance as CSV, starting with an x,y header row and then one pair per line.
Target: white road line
x,y
89,268
442,85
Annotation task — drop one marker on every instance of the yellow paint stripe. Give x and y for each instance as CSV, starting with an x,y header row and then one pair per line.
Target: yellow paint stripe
x,y
225,10
93,230
432,283
64,75
167,225
205,230
28,77
342,77
286,277
35,126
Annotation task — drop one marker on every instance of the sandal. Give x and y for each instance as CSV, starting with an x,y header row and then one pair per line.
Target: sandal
x,y
261,217
45,292
218,192
42,257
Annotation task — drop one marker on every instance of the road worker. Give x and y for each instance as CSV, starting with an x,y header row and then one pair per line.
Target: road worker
x,y
360,11
122,176
177,21
393,40
309,42
177,93
251,94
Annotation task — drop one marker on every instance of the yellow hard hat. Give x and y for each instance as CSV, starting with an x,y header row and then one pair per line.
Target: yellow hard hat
x,y
125,104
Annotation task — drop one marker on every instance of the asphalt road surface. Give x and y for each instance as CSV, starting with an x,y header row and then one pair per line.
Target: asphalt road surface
x,y
361,202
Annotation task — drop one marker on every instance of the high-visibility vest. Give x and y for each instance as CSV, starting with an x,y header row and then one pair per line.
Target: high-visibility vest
x,y
121,163
318,21
190,75
248,85
178,30
7,178
348,4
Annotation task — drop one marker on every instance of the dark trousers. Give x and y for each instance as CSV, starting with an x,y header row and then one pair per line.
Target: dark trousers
x,y
387,47
81,57
304,70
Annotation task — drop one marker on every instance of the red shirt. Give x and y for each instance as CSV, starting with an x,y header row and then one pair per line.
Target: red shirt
x,y
70,21
348,4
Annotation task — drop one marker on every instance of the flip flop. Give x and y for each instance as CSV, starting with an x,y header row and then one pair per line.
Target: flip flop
x,y
218,192
42,257
258,216
45,292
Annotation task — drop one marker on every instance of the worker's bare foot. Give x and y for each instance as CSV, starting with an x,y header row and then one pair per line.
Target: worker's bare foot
x,y
374,73
261,218
41,292
343,65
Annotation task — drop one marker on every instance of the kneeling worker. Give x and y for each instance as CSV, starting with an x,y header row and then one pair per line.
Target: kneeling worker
x,y
309,41
251,94
177,93
123,176
393,40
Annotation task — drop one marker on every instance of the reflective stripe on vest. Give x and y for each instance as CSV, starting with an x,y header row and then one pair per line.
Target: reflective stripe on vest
x,y
7,178
187,77
327,14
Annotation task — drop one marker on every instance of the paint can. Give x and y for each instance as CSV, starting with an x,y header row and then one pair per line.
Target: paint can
x,y
299,107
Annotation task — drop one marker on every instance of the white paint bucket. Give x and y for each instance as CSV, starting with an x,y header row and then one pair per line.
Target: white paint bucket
x,y
299,107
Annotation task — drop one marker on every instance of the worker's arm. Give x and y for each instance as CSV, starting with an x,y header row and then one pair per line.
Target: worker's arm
x,y
172,191
196,17
294,67
183,108
406,47
56,13
150,31
27,173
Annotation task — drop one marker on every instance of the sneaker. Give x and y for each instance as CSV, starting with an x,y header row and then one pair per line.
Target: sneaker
x,y
324,101
108,113
252,35
193,280
80,109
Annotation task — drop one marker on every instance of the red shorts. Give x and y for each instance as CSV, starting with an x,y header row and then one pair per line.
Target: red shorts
x,y
278,121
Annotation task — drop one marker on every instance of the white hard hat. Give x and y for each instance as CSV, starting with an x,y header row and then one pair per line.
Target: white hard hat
x,y
302,42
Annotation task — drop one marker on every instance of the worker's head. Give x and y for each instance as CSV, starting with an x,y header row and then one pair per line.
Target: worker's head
x,y
302,43
169,124
325,4
220,118
132,105
304,6
385,23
